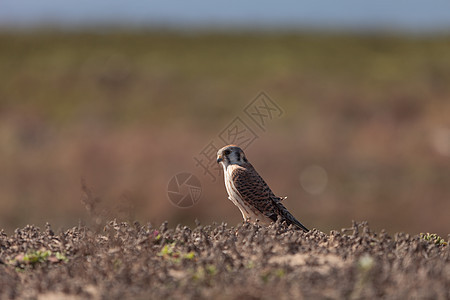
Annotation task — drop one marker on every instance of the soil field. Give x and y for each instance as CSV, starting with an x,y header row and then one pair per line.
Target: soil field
x,y
136,261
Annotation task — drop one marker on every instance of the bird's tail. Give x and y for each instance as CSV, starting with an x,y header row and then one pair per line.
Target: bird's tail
x,y
289,218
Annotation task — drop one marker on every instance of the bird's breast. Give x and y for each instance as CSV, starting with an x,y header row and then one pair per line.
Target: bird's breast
x,y
248,212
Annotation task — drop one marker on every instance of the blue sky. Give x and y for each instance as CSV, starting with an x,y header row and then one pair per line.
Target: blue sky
x,y
411,15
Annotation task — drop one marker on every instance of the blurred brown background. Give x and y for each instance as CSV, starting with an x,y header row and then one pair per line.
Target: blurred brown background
x,y
365,133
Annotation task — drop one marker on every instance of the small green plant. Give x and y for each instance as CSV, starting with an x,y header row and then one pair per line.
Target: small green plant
x,y
189,255
265,276
365,263
204,273
280,272
434,238
271,274
250,265
117,263
168,252
61,257
36,257
211,270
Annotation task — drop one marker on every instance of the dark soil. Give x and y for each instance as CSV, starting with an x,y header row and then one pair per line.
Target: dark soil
x,y
247,262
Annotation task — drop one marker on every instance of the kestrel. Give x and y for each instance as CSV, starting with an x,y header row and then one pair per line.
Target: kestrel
x,y
249,192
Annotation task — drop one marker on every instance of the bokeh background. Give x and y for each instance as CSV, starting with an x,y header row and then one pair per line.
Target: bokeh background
x,y
126,94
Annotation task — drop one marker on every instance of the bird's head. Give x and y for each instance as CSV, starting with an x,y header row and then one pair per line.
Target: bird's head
x,y
231,155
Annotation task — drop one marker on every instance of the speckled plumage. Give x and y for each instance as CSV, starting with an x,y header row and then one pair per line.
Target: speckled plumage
x,y
249,192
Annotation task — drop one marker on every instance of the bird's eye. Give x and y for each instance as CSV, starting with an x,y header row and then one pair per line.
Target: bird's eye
x,y
226,152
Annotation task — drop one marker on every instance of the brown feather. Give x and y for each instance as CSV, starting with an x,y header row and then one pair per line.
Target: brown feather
x,y
255,192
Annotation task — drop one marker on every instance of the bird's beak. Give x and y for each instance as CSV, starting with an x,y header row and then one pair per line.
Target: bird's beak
x,y
219,158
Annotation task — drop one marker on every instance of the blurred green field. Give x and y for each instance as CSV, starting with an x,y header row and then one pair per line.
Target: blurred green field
x,y
127,110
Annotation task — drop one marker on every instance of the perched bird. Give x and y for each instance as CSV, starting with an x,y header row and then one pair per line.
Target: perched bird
x,y
249,192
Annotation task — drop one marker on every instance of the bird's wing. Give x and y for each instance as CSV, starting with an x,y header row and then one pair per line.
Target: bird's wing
x,y
255,192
